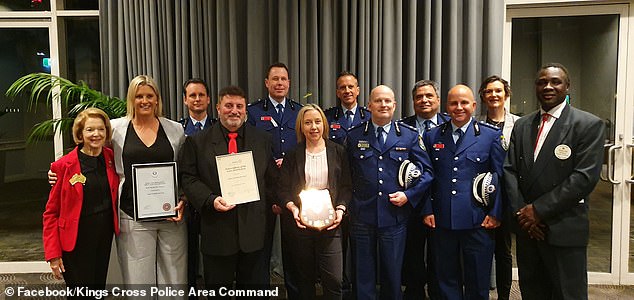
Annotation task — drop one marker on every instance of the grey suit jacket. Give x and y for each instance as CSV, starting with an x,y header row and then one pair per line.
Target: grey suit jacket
x,y
242,228
559,181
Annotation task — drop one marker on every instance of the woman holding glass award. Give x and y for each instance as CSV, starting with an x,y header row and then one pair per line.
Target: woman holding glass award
x,y
316,187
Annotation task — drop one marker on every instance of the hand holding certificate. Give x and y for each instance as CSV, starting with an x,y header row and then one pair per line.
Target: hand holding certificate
x,y
155,191
238,181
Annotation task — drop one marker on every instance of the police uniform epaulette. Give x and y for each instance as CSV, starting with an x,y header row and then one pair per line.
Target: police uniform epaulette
x,y
406,119
405,125
255,103
358,125
485,124
182,121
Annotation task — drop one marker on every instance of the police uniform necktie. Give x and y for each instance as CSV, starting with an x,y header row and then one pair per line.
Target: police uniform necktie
x,y
349,117
233,144
460,135
427,125
545,118
198,126
280,111
379,137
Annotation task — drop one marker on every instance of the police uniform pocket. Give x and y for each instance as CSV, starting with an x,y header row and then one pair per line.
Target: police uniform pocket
x,y
363,154
478,157
399,156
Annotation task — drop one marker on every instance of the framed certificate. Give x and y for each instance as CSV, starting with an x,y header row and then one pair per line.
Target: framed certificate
x,y
155,190
238,181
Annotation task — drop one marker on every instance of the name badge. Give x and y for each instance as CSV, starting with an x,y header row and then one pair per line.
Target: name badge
x,y
335,126
563,152
265,118
400,149
439,146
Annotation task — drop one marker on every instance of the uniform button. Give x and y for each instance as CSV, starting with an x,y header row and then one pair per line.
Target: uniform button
x,y
455,158
435,158
381,157
380,181
283,153
453,192
455,169
380,169
453,180
380,193
281,128
333,137
477,159
400,159
282,140
361,156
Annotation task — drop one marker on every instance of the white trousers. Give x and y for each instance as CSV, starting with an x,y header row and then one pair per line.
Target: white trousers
x,y
153,253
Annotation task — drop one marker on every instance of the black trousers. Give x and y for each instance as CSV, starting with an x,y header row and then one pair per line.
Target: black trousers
x,y
193,246
247,269
551,272
318,254
503,261
87,264
288,229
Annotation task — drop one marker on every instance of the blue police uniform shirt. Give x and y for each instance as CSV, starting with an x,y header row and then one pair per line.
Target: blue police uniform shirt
x,y
263,114
189,124
375,171
451,200
336,117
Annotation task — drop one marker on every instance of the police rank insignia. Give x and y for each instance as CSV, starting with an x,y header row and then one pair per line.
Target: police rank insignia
x,y
363,145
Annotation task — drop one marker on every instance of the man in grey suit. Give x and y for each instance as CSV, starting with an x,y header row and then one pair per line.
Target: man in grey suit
x,y
232,235
553,163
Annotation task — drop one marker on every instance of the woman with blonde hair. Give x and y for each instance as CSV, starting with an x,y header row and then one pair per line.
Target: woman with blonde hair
x,y
316,163
154,252
81,212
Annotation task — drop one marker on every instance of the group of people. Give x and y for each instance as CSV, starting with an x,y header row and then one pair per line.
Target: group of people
x,y
469,182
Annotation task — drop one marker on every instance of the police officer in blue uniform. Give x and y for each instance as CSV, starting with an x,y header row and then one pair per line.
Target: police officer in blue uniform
x,y
463,240
380,207
196,99
348,113
418,268
277,114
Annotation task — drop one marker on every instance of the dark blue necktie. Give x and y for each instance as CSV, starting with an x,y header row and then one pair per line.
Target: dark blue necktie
x,y
427,125
280,111
349,117
198,126
379,137
460,135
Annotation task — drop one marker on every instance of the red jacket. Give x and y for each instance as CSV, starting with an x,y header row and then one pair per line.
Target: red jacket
x,y
61,216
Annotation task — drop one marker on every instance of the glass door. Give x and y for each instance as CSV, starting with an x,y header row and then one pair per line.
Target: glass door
x,y
591,41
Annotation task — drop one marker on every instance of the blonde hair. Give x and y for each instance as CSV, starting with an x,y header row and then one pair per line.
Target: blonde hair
x,y
300,121
137,82
80,122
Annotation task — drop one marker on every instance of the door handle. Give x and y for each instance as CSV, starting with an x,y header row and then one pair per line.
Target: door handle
x,y
611,163
631,180
603,174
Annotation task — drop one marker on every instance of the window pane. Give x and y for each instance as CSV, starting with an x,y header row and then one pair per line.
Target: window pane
x,y
23,186
81,4
25,5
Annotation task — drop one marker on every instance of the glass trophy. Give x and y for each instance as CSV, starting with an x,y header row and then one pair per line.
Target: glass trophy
x,y
315,210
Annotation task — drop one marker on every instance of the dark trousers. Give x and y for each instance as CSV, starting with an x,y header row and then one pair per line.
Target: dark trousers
x,y
288,229
247,269
463,262
193,246
503,261
390,242
87,264
418,267
318,254
551,272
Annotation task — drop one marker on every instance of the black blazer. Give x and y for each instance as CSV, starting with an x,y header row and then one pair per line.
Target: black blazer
x,y
243,227
558,188
293,179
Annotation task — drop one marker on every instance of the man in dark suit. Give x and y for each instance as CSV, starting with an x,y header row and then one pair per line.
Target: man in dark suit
x,y
348,113
463,243
232,235
418,269
196,99
380,206
553,164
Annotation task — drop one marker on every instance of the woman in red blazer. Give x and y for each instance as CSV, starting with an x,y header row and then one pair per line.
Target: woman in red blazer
x,y
81,212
